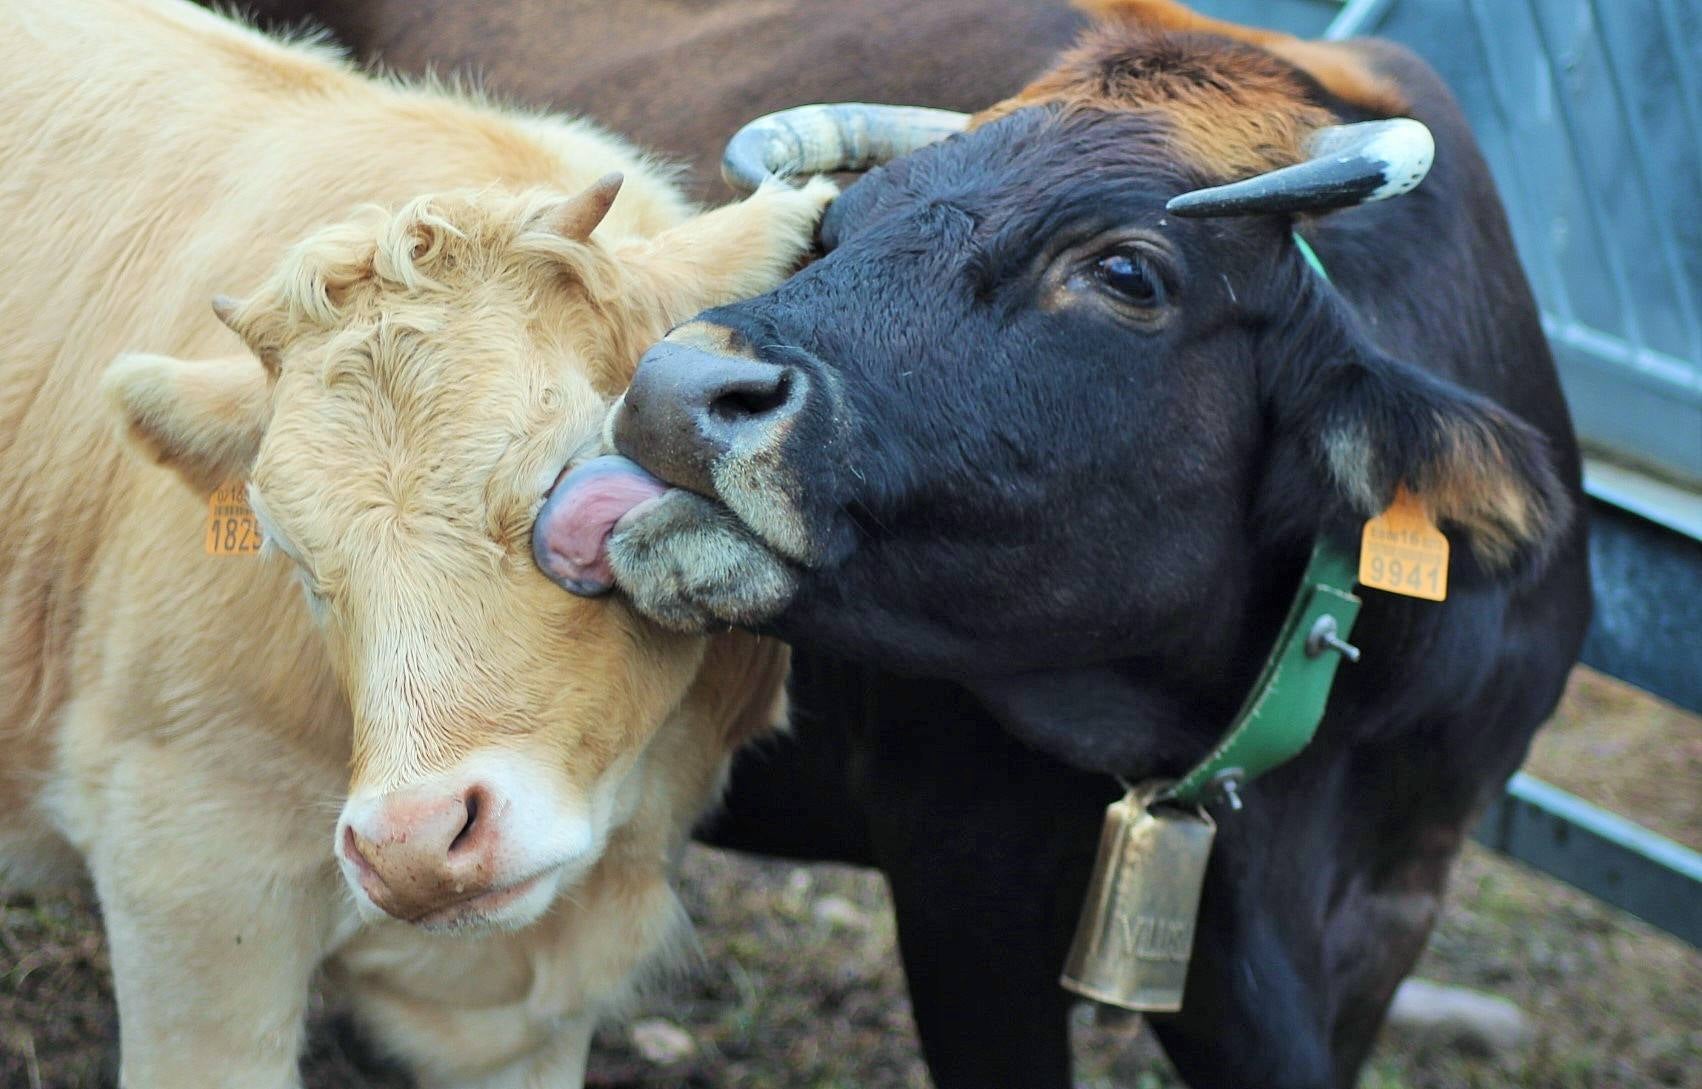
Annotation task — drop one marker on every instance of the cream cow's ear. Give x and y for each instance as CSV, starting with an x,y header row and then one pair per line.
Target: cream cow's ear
x,y
203,418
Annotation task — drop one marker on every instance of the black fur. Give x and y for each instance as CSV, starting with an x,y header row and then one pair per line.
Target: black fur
x,y
1092,525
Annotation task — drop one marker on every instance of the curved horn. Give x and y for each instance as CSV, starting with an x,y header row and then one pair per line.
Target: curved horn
x,y
831,137
1346,165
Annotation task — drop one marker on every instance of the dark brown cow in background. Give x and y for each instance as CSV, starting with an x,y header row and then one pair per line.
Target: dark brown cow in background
x,y
680,76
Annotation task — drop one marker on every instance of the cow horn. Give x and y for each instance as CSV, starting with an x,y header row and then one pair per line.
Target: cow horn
x,y
1345,165
831,137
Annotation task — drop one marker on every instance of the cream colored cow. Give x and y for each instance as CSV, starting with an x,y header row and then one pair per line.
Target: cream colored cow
x,y
258,780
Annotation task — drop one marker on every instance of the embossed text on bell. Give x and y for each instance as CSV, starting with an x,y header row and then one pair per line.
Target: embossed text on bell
x,y
1136,932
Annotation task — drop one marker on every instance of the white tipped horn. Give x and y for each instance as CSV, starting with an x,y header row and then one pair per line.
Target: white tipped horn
x,y
1345,165
830,137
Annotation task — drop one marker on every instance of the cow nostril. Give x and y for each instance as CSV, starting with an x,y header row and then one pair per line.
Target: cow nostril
x,y
474,802
351,847
750,397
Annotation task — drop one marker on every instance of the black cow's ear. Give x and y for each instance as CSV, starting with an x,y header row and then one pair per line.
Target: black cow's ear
x,y
841,214
1363,423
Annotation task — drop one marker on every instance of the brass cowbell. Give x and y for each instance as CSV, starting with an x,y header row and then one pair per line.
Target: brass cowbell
x,y
1136,932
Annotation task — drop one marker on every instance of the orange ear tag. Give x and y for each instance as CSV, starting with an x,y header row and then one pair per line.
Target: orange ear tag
x,y
1402,552
232,529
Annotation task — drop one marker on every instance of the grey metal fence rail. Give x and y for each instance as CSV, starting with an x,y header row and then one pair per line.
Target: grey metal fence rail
x,y
1602,853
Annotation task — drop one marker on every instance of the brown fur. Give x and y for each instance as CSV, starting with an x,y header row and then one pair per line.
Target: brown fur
x,y
682,77
1476,487
1337,68
1236,99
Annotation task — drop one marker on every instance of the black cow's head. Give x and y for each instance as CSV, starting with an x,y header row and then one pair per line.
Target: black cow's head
x,y
1021,415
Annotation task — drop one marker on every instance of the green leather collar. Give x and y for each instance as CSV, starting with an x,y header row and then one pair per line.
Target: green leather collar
x,y
1287,703
1282,713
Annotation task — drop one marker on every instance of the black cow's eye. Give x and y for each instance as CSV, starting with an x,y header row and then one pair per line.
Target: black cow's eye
x,y
1131,277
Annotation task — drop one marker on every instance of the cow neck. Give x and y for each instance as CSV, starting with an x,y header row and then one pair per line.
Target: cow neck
x,y
1281,714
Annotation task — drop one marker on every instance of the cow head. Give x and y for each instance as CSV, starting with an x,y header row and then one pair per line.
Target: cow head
x,y
412,385
1033,410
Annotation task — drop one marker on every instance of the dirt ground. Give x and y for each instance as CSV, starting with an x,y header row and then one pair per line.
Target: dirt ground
x,y
798,984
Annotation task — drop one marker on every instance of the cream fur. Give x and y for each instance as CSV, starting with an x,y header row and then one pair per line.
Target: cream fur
x,y
437,340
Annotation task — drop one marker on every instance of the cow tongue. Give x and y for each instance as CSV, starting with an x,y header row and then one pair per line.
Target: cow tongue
x,y
570,539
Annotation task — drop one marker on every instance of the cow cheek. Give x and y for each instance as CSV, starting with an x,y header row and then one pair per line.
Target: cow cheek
x,y
603,721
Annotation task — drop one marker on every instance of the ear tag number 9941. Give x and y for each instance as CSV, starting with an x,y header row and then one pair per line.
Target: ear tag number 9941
x,y
1402,552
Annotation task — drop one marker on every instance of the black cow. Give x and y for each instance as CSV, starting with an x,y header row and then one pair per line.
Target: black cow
x,y
1046,460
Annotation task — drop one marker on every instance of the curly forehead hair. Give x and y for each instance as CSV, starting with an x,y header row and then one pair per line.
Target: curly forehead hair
x,y
431,249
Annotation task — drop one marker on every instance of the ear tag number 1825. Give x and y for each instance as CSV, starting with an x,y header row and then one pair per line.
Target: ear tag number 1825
x,y
232,529
1402,552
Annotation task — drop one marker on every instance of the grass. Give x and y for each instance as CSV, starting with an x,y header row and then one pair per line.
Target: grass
x,y
799,984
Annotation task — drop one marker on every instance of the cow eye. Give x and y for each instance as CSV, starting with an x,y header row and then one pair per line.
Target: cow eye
x,y
1131,277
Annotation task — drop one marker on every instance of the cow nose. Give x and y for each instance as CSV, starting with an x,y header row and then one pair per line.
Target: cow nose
x,y
687,407
417,854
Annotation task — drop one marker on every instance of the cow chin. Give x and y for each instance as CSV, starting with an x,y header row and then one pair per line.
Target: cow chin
x,y
509,908
692,564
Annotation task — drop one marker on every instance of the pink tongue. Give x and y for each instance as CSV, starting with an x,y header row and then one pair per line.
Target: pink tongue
x,y
571,536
